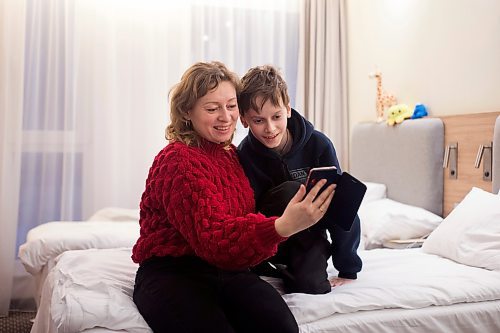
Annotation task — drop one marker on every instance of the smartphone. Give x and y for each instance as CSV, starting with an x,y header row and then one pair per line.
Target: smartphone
x,y
348,194
316,174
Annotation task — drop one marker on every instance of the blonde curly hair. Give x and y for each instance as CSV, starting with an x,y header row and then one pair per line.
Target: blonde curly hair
x,y
196,82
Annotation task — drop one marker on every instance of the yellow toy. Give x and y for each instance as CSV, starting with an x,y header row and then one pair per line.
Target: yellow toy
x,y
397,113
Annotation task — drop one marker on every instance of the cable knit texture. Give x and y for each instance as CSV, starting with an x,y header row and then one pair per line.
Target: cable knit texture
x,y
198,201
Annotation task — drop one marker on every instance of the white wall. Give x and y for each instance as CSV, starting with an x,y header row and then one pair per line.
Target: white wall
x,y
443,53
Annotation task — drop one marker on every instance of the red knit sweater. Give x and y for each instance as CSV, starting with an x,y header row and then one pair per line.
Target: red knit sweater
x,y
198,201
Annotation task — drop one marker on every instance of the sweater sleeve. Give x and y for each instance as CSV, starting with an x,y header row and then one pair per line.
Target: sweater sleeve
x,y
223,236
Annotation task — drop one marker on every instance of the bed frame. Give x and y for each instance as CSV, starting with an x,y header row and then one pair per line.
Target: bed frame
x,y
496,157
416,151
408,158
467,133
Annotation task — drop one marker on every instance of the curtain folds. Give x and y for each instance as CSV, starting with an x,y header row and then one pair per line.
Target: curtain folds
x,y
84,96
321,81
11,106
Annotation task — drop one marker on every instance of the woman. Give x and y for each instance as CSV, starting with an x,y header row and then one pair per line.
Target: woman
x,y
199,230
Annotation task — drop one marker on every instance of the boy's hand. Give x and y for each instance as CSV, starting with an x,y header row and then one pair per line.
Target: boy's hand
x,y
304,210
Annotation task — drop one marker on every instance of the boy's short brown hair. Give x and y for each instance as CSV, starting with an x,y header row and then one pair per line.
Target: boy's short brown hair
x,y
265,82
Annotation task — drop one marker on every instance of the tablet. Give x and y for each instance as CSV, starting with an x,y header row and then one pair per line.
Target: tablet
x,y
347,198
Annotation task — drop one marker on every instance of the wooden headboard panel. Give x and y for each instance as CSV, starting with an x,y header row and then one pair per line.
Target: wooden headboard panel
x,y
469,131
496,157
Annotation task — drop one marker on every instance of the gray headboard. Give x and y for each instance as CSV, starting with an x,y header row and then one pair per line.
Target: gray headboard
x,y
408,158
496,157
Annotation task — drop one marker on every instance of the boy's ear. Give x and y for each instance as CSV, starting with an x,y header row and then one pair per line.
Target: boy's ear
x,y
288,111
244,122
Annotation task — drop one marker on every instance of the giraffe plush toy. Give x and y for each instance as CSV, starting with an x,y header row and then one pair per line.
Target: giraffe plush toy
x,y
384,99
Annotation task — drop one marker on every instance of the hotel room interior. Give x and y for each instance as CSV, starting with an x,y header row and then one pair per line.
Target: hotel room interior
x,y
84,105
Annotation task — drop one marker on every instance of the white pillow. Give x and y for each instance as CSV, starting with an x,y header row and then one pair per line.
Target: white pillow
x,y
471,233
386,219
46,241
374,191
115,214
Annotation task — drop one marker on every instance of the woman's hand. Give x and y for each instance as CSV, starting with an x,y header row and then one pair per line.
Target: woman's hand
x,y
304,210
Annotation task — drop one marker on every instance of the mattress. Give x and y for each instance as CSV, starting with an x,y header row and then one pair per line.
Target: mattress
x,y
457,318
46,241
397,291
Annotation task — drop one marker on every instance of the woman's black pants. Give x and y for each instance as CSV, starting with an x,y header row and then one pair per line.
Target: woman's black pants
x,y
188,295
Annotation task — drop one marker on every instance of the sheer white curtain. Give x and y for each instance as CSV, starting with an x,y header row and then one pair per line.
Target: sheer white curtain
x,y
11,106
84,88
322,81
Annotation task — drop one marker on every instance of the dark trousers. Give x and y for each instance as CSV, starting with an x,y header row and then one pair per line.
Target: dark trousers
x,y
302,260
188,295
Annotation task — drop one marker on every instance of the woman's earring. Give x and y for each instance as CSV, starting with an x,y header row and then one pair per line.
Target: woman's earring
x,y
186,120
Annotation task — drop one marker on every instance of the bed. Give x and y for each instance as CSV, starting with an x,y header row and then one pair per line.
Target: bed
x,y
430,289
110,227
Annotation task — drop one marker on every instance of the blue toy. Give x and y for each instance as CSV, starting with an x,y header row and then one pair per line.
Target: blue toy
x,y
420,111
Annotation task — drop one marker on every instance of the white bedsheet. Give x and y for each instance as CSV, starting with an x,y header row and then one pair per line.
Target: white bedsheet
x,y
93,288
479,317
408,279
87,289
46,241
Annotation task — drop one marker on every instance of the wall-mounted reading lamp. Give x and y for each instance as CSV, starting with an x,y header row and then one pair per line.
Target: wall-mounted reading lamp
x,y
450,159
484,153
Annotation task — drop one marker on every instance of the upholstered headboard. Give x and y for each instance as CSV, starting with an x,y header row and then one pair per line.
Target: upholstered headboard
x,y
496,156
407,157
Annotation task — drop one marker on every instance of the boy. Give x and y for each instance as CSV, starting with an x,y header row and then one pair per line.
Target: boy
x,y
277,154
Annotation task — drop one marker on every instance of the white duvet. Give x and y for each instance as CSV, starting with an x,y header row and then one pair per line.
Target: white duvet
x,y
93,288
48,240
408,279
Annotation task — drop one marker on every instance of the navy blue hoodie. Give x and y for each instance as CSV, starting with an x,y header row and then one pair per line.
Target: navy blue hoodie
x,y
266,169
